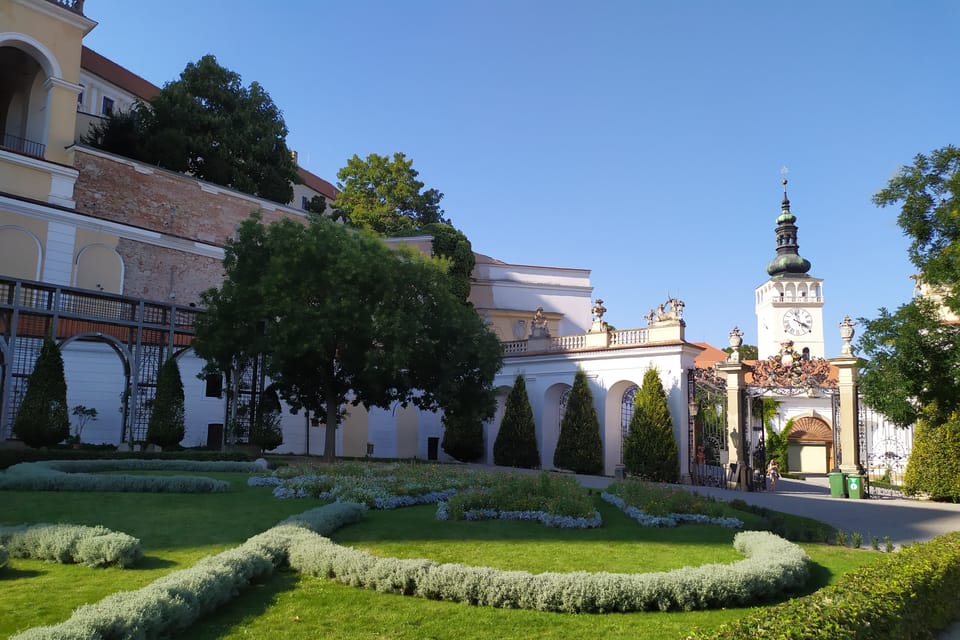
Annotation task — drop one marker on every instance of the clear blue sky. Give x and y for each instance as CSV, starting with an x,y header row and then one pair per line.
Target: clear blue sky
x,y
641,140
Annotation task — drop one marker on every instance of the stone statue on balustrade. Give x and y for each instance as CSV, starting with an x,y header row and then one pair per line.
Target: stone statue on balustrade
x,y
671,310
538,327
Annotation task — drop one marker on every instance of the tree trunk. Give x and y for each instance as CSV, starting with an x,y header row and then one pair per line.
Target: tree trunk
x,y
330,438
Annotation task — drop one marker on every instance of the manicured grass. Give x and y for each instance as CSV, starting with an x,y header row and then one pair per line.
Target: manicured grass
x,y
176,530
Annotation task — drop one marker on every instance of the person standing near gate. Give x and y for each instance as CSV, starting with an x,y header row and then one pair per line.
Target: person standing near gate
x,y
773,473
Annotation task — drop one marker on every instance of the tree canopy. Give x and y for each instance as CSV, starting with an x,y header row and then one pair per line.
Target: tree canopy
x,y
385,195
209,125
928,193
912,371
344,319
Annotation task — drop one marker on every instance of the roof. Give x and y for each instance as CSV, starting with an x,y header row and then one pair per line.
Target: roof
x,y
113,73
317,183
709,356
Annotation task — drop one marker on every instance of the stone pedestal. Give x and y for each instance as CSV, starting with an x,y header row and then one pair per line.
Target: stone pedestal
x,y
734,372
849,428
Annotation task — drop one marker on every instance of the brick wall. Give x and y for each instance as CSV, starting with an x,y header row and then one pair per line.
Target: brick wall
x,y
184,210
150,271
133,193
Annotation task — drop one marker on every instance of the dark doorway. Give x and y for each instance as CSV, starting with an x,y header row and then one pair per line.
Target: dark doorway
x,y
433,448
215,436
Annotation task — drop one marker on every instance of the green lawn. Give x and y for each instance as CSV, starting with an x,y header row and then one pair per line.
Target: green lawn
x,y
176,530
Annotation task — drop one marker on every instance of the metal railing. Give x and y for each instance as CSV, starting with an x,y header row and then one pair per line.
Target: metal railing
x,y
24,146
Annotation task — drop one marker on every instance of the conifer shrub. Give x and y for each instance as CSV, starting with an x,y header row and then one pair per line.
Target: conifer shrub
x,y
463,437
934,464
516,443
650,449
43,419
266,431
579,448
166,426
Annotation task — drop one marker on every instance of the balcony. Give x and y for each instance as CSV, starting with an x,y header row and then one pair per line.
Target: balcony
x,y
22,145
70,5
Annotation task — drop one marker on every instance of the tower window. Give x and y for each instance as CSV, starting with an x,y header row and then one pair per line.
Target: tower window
x,y
106,107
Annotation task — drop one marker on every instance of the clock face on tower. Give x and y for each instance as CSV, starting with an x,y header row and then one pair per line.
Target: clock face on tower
x,y
797,321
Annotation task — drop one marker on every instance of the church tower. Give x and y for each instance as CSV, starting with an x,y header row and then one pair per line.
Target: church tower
x,y
789,305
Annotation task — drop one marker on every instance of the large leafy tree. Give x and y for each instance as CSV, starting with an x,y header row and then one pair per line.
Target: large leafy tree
x,y
650,449
384,195
208,124
344,319
928,193
516,443
579,448
43,417
912,371
166,426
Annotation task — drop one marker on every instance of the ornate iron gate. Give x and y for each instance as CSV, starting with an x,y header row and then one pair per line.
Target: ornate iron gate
x,y
708,428
884,450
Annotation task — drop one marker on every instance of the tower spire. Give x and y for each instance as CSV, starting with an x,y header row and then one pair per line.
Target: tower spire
x,y
787,262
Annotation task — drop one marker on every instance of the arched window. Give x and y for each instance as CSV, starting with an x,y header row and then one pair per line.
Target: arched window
x,y
99,268
562,411
626,409
20,253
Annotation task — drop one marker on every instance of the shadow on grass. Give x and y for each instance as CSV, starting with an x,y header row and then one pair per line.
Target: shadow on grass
x,y
253,602
16,574
148,563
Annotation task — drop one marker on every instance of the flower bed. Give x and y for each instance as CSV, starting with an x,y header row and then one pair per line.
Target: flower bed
x,y
657,505
376,485
669,520
556,501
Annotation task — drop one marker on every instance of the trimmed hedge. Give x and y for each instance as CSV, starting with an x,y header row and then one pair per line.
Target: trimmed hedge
x,y
10,457
173,602
909,594
67,475
773,567
72,543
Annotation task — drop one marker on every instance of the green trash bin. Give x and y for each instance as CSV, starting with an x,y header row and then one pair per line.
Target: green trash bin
x,y
838,484
856,486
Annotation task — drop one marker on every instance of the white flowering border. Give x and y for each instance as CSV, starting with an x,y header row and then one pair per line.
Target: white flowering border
x,y
81,475
548,519
671,520
72,543
773,566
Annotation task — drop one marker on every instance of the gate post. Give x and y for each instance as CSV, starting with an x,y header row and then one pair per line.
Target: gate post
x,y
734,370
846,365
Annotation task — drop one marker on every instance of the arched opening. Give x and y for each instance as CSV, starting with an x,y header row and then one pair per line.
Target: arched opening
x,y
99,268
548,431
810,448
20,253
25,67
97,371
492,428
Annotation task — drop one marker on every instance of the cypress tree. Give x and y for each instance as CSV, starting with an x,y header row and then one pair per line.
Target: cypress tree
x,y
462,437
650,451
579,447
266,431
516,443
166,425
43,419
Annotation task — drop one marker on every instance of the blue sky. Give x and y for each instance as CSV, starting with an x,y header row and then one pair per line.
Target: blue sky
x,y
641,140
